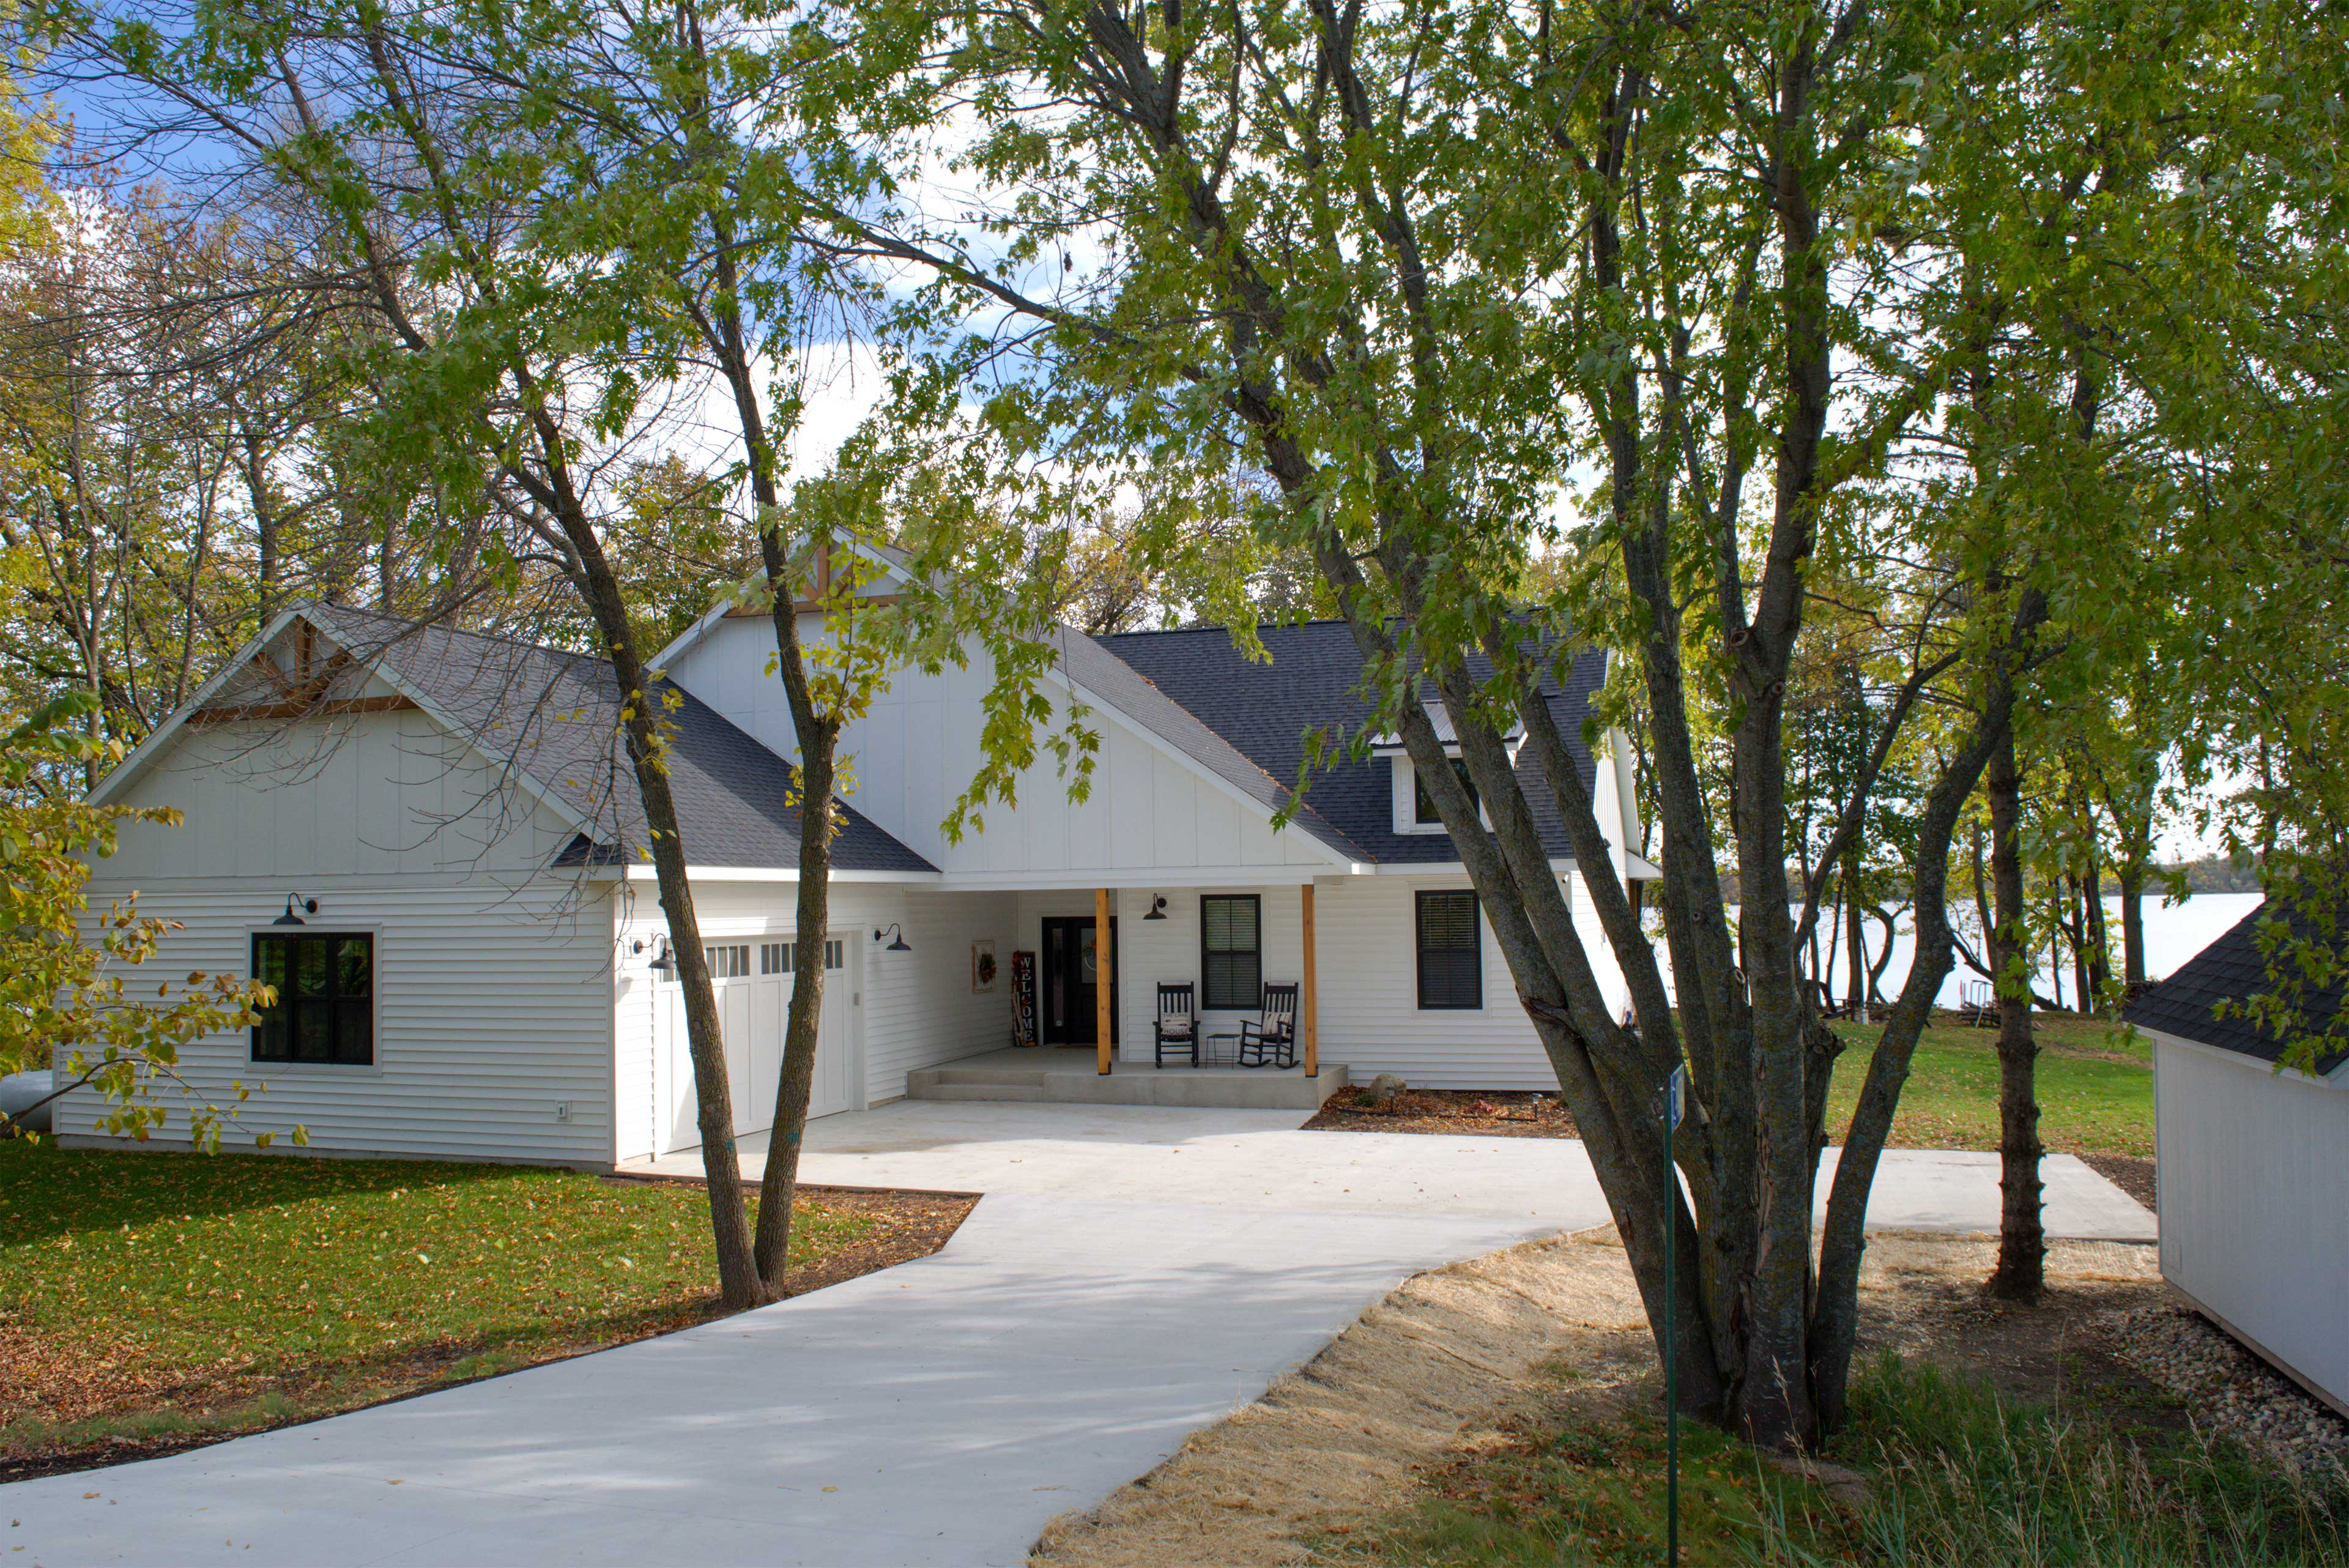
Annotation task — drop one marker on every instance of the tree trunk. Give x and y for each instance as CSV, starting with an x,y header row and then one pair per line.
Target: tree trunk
x,y
2055,940
2021,1241
1854,944
739,1284
2132,881
2100,961
2079,935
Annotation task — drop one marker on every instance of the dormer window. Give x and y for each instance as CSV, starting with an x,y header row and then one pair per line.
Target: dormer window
x,y
1415,808
1424,812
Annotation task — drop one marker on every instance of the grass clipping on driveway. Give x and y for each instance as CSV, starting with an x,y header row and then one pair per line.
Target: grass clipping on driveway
x,y
1506,1411
151,1300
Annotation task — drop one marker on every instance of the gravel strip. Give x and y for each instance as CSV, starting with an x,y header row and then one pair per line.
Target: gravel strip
x,y
2228,1389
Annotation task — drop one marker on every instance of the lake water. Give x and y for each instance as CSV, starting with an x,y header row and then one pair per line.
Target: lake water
x,y
2173,934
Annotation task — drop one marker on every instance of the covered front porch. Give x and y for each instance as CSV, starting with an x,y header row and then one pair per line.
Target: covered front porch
x,y
1098,971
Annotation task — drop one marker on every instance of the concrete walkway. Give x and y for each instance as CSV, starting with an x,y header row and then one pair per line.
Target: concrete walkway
x,y
1133,1275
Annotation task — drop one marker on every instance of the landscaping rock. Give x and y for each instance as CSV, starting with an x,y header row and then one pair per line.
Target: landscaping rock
x,y
1384,1088
2230,1389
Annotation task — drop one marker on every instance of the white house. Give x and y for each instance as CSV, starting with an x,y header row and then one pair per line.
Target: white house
x,y
483,973
2253,1230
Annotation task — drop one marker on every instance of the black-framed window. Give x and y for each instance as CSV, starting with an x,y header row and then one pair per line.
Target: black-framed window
x,y
1451,956
324,1009
1231,952
1423,804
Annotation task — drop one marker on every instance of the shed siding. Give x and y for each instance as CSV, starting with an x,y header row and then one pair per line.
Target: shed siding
x,y
2252,1222
493,1008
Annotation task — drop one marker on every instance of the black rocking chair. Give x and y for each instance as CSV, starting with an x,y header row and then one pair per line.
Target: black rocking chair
x,y
1271,1041
1176,1030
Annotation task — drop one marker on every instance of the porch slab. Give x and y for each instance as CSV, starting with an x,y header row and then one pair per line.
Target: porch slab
x,y
1071,1076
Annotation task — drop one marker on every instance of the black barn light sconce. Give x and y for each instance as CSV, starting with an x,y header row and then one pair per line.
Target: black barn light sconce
x,y
663,961
308,905
1157,908
897,930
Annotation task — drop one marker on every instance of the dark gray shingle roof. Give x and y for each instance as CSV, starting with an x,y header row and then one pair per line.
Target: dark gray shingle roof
x,y
555,714
2184,1005
1263,710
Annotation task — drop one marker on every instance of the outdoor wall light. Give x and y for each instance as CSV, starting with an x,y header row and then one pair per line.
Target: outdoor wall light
x,y
663,961
309,906
1157,908
895,929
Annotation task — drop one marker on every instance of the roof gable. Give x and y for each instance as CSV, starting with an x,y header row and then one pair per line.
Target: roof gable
x,y
550,717
1262,710
2232,968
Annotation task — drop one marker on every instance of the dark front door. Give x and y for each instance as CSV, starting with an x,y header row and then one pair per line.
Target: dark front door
x,y
1071,978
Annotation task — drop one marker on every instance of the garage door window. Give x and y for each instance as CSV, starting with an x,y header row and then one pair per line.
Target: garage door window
x,y
780,958
728,963
324,1009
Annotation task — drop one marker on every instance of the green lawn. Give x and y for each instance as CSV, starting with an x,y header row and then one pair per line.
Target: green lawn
x,y
155,1293
2096,1088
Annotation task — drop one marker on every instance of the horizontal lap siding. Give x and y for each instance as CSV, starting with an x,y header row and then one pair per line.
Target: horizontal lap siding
x,y
493,1005
1370,1019
920,1009
2252,1225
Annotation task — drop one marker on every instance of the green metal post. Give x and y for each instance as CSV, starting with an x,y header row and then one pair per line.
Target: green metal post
x,y
1672,1103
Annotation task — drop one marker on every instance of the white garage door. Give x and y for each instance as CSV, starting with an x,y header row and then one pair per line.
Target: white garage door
x,y
753,981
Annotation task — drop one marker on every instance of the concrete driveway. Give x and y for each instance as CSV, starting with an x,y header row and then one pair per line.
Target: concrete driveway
x,y
1260,1159
1132,1275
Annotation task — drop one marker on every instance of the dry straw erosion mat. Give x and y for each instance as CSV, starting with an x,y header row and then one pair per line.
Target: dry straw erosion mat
x,y
1465,1357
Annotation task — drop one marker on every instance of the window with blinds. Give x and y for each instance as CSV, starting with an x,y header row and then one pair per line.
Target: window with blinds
x,y
1231,953
1450,957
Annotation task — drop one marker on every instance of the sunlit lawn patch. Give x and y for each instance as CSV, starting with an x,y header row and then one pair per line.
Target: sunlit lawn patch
x,y
2095,1084
149,1289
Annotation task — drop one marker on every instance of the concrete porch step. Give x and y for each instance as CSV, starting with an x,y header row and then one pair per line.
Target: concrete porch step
x,y
1018,1076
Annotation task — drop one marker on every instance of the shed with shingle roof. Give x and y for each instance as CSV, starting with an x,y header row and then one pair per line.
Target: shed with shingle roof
x,y
2252,1155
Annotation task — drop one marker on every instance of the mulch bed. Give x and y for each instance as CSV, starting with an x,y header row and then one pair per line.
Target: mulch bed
x,y
1469,1112
906,1226
2132,1173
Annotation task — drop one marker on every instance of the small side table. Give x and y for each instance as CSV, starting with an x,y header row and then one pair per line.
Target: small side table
x,y
1221,1051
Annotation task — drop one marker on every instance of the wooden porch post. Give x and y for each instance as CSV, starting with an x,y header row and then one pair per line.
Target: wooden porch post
x,y
1104,969
1309,1007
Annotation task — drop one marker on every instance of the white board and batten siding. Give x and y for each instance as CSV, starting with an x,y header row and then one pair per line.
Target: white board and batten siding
x,y
493,977
2253,1227
1148,811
